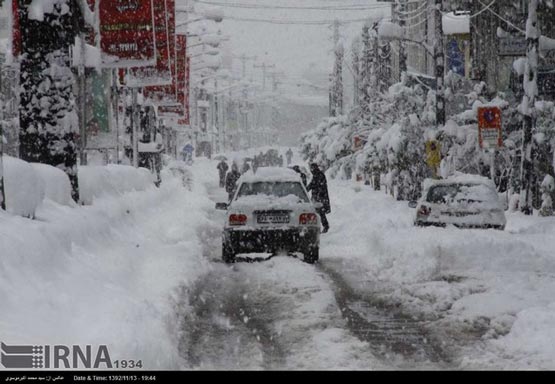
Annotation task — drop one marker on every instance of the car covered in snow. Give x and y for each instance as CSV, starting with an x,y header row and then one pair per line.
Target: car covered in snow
x,y
271,212
466,201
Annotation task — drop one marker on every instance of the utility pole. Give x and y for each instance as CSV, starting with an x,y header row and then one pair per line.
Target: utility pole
x,y
527,106
439,60
275,80
2,192
401,7
115,107
134,125
336,86
244,58
82,76
264,67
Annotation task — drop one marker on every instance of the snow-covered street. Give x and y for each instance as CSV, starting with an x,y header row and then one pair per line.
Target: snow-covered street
x,y
143,274
398,296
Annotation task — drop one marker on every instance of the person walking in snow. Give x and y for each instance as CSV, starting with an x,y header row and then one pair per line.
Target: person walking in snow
x,y
319,187
289,155
231,180
222,169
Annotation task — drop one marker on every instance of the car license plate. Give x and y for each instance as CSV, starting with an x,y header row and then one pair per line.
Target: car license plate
x,y
269,218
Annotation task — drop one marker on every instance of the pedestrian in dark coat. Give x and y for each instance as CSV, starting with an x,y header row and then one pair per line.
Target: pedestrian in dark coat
x,y
319,187
231,180
222,169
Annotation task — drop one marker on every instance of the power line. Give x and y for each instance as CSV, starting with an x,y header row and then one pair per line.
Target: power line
x,y
298,22
351,7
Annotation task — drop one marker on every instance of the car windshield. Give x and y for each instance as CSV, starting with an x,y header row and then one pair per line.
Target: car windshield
x,y
461,194
274,188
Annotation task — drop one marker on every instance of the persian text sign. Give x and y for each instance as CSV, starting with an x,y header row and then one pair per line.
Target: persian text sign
x,y
489,127
181,68
166,95
126,33
161,73
187,116
16,31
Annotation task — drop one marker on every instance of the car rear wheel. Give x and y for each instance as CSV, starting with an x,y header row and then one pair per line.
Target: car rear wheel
x,y
228,256
312,255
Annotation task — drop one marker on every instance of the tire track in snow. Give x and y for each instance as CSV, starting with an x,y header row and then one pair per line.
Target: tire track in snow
x,y
276,314
386,329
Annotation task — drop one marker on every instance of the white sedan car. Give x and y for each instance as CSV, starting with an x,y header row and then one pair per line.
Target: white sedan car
x,y
465,201
271,211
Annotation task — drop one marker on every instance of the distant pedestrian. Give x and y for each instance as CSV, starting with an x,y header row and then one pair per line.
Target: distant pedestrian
x,y
280,160
289,155
319,187
231,180
187,153
222,169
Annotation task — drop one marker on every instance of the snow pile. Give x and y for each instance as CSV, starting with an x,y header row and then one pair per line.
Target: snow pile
x,y
24,187
38,8
269,174
495,283
391,31
104,274
454,24
56,184
111,180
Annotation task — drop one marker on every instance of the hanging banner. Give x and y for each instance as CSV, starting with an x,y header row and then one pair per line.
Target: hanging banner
x,y
127,36
489,127
161,73
16,31
179,109
187,114
181,68
166,95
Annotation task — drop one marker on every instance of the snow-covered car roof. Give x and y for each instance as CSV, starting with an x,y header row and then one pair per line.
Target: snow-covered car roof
x,y
460,178
270,174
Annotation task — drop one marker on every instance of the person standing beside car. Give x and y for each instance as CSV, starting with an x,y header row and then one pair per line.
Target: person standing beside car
x,y
222,169
231,180
319,187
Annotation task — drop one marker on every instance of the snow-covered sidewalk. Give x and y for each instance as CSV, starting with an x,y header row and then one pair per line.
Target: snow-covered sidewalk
x,y
105,274
497,285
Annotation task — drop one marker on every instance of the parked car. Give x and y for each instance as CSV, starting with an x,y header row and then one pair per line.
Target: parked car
x,y
466,201
271,211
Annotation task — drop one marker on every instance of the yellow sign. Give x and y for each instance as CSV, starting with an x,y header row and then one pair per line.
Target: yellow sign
x,y
433,155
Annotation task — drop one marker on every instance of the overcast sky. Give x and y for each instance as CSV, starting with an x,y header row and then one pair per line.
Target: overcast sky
x,y
292,48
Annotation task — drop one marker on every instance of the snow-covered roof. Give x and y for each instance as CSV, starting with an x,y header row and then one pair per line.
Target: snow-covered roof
x,y
460,178
270,174
455,24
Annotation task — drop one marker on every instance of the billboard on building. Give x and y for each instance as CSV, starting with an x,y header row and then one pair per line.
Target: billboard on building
x,y
159,74
127,36
166,94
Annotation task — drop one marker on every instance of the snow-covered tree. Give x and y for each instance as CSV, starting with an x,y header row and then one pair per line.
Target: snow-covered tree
x,y
48,120
527,106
